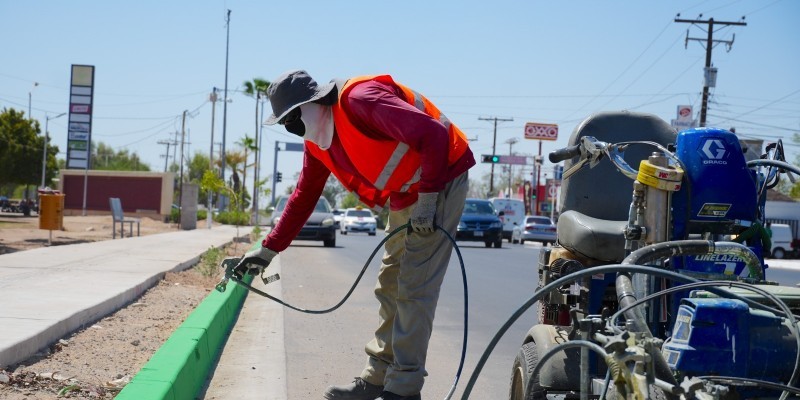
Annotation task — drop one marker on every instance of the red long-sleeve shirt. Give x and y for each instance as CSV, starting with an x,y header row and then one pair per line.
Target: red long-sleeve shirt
x,y
379,111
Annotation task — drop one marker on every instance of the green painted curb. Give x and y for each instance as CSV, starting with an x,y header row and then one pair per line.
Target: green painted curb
x,y
180,367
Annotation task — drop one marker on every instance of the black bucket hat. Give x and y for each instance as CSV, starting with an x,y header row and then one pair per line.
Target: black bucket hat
x,y
291,90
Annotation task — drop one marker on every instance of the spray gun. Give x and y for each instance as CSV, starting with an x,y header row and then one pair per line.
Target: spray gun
x,y
231,274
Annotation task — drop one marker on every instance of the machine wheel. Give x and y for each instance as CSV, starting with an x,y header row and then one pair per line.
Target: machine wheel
x,y
524,386
499,243
779,253
488,244
329,242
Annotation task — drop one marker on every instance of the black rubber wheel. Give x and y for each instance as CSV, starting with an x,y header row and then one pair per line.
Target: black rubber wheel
x,y
488,244
524,386
499,243
344,232
372,233
329,242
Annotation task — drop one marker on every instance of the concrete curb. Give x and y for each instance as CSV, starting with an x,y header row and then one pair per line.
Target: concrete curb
x,y
178,370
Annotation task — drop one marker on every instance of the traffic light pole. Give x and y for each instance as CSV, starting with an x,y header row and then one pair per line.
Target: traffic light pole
x,y
274,171
494,145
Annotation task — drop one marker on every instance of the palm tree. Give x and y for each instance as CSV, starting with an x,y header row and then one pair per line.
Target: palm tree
x,y
233,159
247,143
257,88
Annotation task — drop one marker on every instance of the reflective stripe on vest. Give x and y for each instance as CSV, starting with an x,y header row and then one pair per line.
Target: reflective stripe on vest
x,y
398,154
420,105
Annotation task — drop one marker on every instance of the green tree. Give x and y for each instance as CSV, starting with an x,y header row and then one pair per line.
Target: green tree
x,y
794,191
333,190
349,201
197,167
104,157
248,145
234,160
21,146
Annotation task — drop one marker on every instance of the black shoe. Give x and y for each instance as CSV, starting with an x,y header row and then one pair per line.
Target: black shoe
x,y
392,396
358,390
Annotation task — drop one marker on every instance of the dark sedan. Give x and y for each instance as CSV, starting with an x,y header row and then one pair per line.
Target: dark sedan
x,y
480,223
320,225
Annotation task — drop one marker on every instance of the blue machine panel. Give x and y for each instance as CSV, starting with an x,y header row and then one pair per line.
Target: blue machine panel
x,y
725,337
719,195
720,188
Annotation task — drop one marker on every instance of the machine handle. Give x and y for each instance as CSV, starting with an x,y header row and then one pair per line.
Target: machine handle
x,y
565,153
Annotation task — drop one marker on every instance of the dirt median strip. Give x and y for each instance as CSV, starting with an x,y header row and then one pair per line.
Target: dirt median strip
x,y
179,369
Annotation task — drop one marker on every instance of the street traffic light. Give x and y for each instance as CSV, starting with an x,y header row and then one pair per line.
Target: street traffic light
x,y
491,158
278,177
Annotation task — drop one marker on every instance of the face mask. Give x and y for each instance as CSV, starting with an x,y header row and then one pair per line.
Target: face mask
x,y
318,122
293,122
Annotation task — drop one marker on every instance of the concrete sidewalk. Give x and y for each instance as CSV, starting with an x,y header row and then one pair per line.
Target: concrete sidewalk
x,y
50,292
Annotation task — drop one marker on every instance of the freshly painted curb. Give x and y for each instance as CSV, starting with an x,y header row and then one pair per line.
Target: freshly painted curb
x,y
180,367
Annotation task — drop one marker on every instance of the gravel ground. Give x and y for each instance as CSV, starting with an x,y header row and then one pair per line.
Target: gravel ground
x,y
96,362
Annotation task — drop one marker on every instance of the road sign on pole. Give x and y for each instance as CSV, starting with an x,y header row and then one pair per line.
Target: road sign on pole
x,y
537,131
497,159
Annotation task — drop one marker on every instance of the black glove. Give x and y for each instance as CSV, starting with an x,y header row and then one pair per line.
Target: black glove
x,y
254,262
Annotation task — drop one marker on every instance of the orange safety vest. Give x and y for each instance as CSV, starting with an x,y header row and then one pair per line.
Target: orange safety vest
x,y
383,166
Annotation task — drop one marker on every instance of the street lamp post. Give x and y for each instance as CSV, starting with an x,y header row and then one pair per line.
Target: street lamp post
x,y
213,99
30,97
47,119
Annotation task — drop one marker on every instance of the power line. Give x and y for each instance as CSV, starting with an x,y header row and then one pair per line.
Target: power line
x,y
755,123
630,65
764,106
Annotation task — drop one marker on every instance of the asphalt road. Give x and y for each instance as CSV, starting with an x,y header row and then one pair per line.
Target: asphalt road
x,y
328,349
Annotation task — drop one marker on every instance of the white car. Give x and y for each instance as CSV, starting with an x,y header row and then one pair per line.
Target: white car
x,y
536,228
358,220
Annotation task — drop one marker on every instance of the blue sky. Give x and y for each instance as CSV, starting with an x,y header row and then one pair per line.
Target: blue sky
x,y
533,61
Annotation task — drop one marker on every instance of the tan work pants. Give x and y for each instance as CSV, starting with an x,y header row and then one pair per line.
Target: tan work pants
x,y
408,286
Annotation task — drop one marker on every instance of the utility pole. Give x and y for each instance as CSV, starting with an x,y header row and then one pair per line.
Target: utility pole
x,y
511,142
259,142
225,98
30,99
710,42
180,182
166,155
174,146
494,145
274,171
213,99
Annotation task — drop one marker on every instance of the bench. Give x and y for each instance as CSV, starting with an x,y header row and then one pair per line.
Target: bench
x,y
119,218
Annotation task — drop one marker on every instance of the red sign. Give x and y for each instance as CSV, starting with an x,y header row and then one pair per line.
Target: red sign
x,y
79,108
534,130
